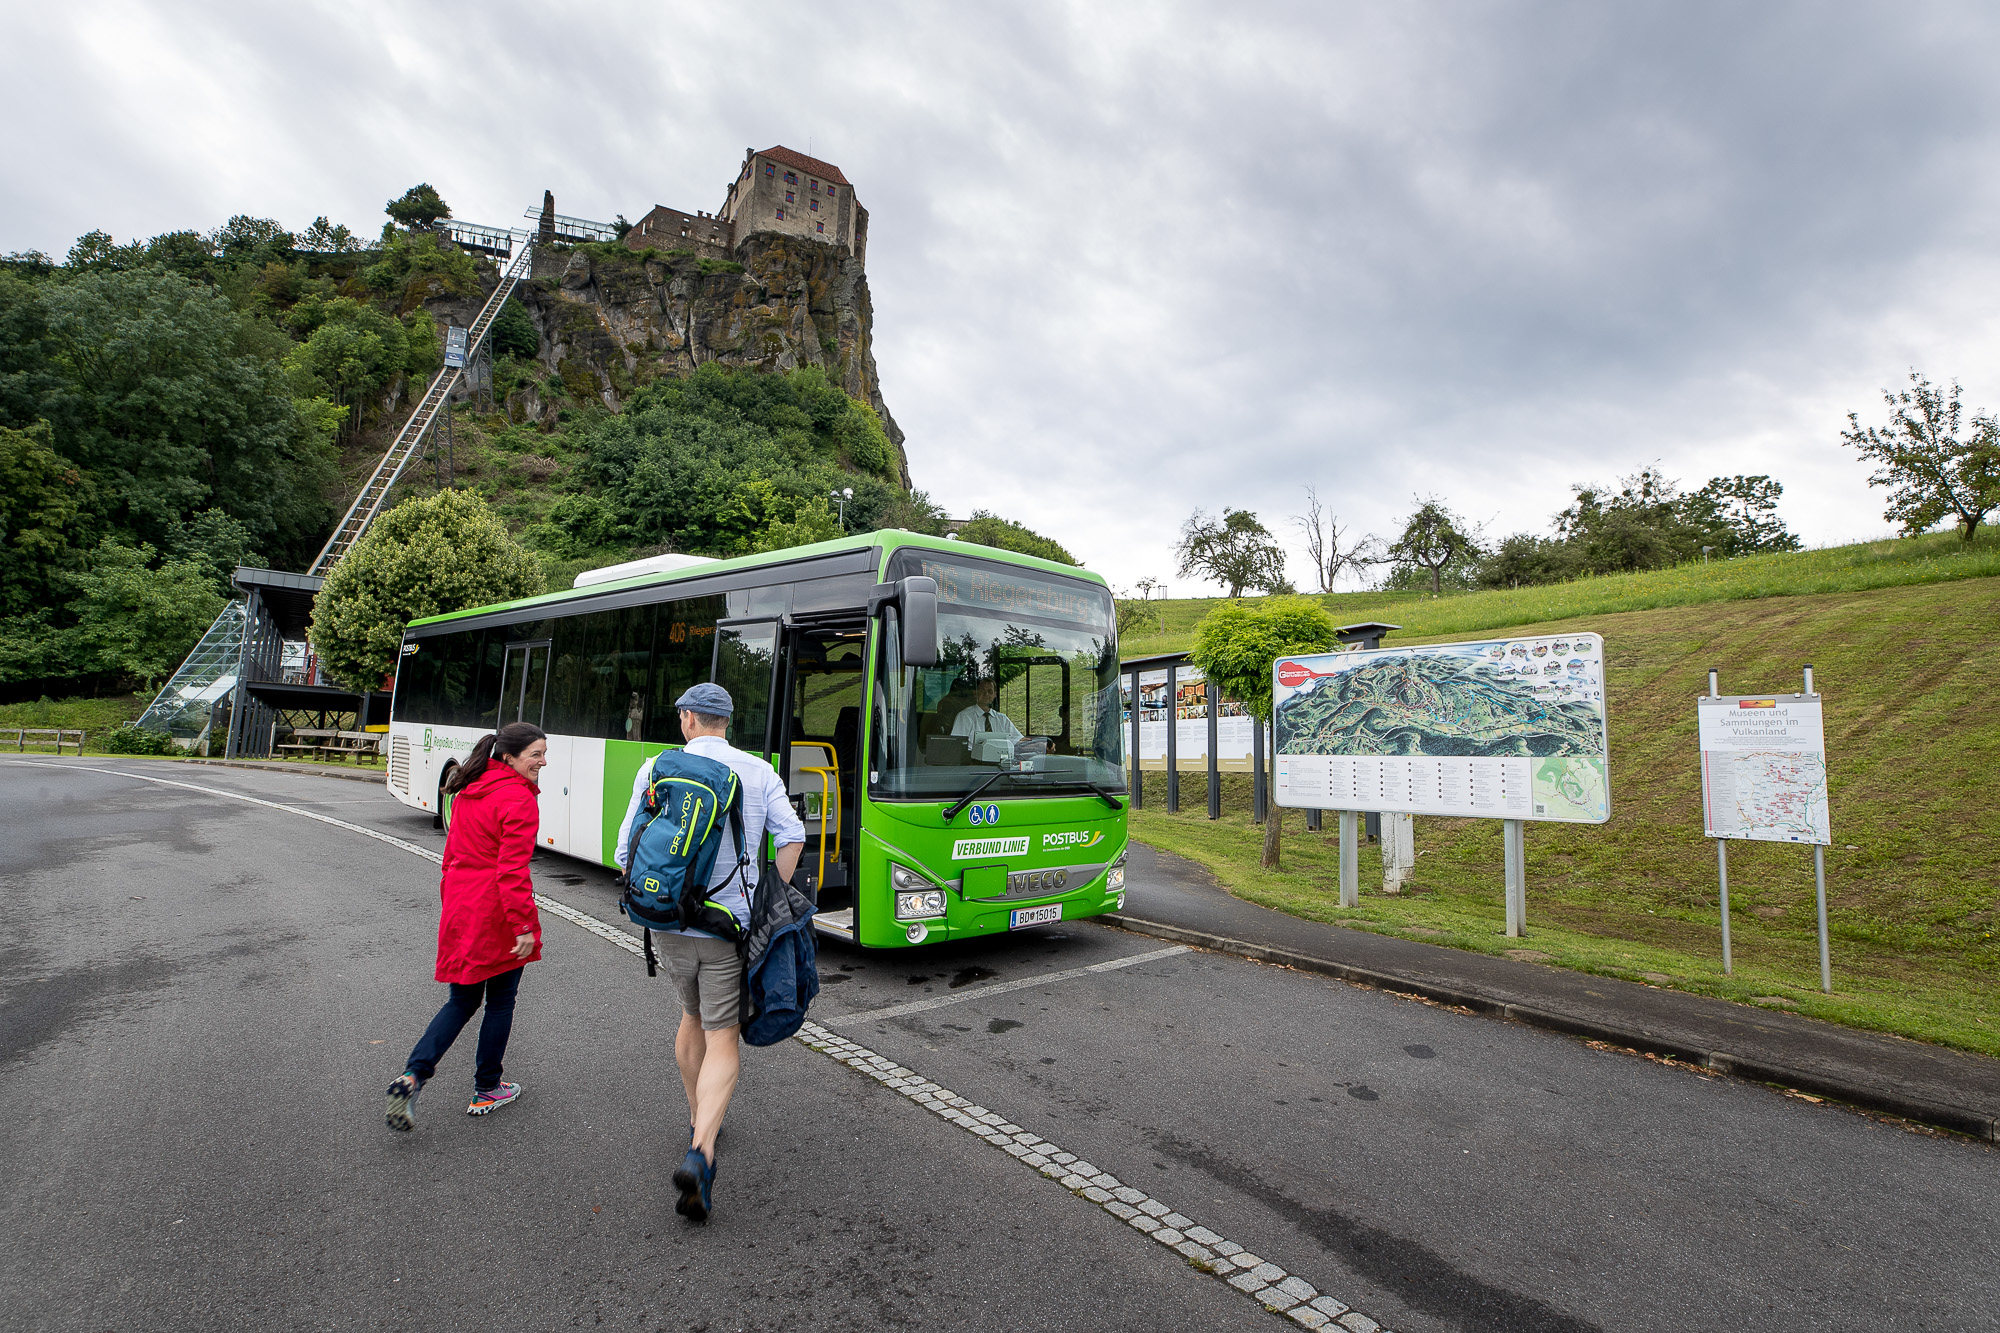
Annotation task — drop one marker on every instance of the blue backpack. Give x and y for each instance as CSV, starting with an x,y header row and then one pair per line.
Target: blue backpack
x,y
676,836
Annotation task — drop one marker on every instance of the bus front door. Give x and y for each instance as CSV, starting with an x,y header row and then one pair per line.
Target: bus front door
x,y
818,740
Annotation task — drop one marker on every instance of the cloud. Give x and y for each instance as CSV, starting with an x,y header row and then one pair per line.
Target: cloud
x,y
1131,259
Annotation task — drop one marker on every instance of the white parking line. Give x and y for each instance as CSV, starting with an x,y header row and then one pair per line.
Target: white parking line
x,y
1209,1251
918,1006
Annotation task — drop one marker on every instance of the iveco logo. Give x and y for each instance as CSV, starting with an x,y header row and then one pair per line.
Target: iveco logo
x,y
1037,881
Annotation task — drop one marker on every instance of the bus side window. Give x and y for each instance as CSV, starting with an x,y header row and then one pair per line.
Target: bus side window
x,y
744,656
684,649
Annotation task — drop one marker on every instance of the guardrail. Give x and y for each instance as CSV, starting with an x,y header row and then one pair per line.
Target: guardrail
x,y
39,736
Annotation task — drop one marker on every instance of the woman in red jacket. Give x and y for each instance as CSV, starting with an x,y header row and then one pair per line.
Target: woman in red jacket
x,y
489,929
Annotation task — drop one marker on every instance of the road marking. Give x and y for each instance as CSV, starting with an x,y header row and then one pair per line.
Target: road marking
x,y
1211,1252
1262,1281
918,1006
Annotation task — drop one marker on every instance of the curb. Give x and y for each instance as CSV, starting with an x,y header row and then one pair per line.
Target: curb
x,y
350,775
1936,1114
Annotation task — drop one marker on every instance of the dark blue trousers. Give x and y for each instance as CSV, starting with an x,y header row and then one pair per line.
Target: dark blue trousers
x,y
498,995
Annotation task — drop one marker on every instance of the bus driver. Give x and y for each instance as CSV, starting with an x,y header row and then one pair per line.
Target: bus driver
x,y
982,719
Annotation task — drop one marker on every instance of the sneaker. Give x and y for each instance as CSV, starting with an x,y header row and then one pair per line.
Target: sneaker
x,y
482,1102
695,1179
402,1099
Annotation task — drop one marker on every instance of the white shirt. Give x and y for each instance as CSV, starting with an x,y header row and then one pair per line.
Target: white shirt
x,y
766,809
978,721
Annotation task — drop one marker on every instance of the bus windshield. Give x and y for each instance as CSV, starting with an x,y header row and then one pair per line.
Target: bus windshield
x,y
1026,685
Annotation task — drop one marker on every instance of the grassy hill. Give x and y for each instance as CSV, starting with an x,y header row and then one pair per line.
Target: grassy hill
x,y
1896,562
1905,641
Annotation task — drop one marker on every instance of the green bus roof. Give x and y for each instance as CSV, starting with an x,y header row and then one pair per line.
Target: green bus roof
x,y
888,539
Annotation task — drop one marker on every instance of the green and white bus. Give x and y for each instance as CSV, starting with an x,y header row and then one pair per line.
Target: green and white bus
x,y
860,667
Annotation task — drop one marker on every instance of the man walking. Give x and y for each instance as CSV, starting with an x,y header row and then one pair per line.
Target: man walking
x,y
706,970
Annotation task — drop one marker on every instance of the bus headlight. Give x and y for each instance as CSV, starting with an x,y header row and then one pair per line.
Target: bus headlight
x,y
920,904
1114,881
908,880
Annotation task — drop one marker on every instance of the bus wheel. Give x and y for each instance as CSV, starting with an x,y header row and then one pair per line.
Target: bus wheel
x,y
442,819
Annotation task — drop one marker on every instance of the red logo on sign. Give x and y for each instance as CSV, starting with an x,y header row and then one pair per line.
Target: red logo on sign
x,y
1292,673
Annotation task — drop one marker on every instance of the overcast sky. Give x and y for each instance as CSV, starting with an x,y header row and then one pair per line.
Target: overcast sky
x,y
1131,260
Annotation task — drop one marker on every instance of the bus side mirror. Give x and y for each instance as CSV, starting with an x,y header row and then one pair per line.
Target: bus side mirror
x,y
919,620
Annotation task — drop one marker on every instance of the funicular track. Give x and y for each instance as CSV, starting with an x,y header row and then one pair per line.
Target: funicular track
x,y
409,441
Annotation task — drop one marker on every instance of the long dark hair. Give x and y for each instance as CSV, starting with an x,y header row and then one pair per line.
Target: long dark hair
x,y
505,743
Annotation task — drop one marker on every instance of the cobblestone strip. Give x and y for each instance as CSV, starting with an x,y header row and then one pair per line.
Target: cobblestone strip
x,y
1256,1277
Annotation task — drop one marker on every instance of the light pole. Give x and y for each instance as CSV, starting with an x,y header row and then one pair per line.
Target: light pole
x,y
841,497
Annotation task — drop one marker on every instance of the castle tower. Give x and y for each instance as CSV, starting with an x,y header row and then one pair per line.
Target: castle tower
x,y
785,191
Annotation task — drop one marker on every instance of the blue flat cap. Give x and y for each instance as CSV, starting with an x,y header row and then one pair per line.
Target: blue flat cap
x,y
706,698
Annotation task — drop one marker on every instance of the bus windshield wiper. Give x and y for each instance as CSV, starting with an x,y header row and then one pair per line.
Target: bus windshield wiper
x,y
951,811
1104,796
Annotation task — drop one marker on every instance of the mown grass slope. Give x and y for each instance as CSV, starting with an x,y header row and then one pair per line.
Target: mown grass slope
x,y
1168,626
1909,675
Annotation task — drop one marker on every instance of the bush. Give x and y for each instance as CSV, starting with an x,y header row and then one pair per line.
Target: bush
x,y
137,740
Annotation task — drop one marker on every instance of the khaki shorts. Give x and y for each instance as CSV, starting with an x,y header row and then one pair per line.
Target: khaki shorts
x,y
708,973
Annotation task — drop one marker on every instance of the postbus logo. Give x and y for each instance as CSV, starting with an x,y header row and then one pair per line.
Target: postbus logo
x,y
1073,838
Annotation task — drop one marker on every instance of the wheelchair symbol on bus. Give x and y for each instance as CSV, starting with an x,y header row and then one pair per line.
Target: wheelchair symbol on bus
x,y
988,814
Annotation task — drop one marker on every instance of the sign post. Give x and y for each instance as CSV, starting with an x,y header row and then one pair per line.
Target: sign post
x,y
1508,729
1763,779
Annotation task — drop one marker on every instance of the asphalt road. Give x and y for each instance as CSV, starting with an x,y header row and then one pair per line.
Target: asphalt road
x,y
201,999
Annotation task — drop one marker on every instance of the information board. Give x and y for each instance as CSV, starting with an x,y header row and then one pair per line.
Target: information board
x,y
1763,768
1500,729
1188,714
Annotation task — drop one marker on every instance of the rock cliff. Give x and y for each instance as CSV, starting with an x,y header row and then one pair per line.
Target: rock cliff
x,y
612,320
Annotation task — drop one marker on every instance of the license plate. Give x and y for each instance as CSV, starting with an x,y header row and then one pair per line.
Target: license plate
x,y
1034,916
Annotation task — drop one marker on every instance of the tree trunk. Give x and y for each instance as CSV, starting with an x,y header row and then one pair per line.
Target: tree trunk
x,y
1434,579
1274,827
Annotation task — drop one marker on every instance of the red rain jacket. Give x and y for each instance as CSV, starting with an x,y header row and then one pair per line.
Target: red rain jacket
x,y
488,898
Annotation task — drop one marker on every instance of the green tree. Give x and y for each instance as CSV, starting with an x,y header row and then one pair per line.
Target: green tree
x,y
1937,463
215,543
514,332
173,402
135,619
699,464
422,558
1435,539
1237,644
420,206
1235,550
989,529
812,520
1524,560
253,241
325,237
1739,516
42,499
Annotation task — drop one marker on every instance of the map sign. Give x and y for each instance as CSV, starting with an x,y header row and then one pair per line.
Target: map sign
x,y
1763,768
1502,729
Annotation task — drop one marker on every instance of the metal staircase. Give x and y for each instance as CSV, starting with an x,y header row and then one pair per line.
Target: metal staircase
x,y
409,441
